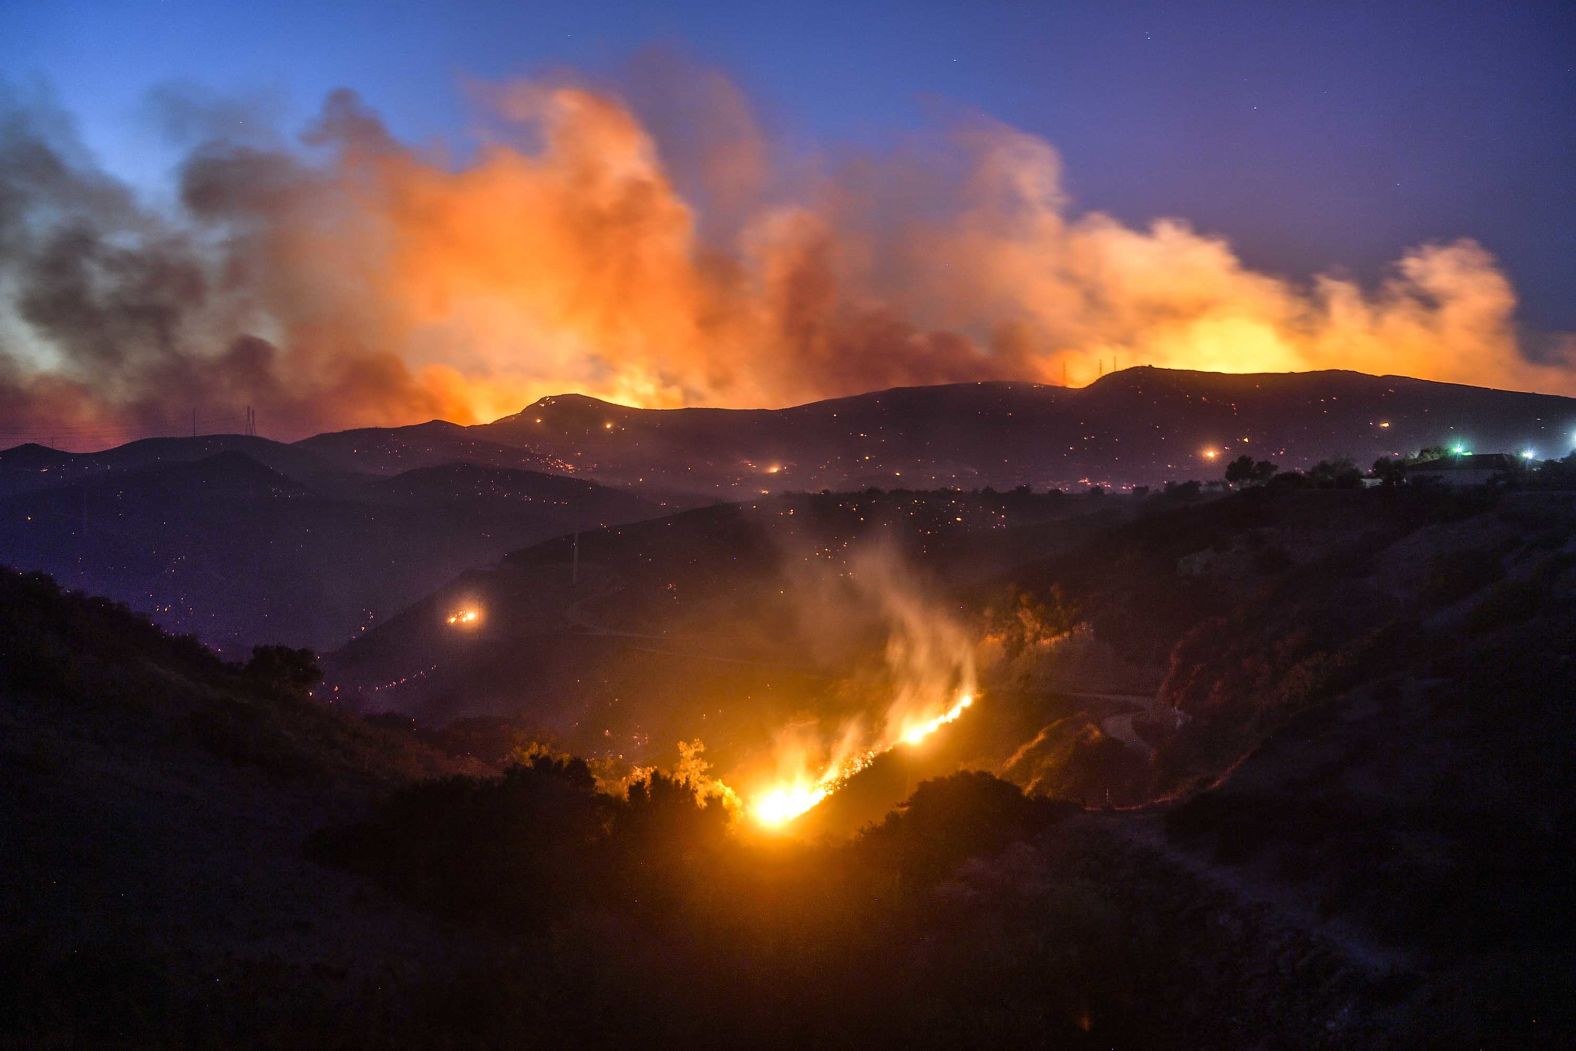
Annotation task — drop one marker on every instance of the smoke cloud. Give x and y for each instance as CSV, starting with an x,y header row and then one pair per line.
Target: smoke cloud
x,y
649,244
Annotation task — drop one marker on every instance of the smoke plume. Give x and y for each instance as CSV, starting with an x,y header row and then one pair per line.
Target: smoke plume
x,y
661,251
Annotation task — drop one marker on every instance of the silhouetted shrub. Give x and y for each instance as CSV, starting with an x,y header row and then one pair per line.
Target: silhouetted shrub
x,y
1508,603
283,668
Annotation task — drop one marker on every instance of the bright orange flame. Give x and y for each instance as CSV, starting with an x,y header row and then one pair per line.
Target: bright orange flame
x,y
464,618
781,805
917,733
786,801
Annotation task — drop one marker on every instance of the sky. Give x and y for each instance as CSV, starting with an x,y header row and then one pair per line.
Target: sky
x,y
1313,139
1317,135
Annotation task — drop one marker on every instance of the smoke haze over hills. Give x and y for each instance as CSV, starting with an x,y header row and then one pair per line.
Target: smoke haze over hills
x,y
644,241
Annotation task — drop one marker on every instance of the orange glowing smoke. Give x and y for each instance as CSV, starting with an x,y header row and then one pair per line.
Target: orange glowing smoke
x,y
369,282
579,266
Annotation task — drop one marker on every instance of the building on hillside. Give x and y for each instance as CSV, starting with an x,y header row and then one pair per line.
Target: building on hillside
x,y
1467,469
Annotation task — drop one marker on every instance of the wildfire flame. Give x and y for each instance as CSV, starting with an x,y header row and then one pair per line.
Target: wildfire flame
x,y
464,618
916,734
783,803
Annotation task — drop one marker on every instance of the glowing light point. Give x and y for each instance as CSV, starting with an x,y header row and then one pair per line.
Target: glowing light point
x,y
1528,454
608,425
1384,425
1458,450
465,618
1210,454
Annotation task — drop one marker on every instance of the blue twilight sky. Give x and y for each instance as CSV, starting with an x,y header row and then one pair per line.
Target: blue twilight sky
x,y
1314,136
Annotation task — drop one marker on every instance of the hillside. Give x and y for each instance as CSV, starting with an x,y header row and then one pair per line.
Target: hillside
x,y
153,806
237,553
1141,426
1284,761
1322,737
27,468
720,622
395,450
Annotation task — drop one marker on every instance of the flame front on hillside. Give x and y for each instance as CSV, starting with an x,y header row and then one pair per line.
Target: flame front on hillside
x,y
929,669
783,803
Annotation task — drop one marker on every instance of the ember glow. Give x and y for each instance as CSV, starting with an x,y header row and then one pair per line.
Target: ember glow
x,y
465,618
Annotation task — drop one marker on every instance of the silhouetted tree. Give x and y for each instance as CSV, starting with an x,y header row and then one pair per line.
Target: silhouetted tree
x,y
1389,471
1240,470
950,819
1289,480
1335,474
1244,471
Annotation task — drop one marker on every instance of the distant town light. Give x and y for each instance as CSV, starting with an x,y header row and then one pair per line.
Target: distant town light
x,y
1384,424
608,425
465,618
1210,454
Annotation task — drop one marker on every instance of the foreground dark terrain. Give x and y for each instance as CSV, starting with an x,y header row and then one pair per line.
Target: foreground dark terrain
x,y
1284,768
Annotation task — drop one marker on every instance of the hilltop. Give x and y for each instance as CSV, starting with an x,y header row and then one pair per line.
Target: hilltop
x,y
1141,426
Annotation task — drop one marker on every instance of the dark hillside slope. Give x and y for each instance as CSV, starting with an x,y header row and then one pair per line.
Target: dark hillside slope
x,y
29,467
1367,727
393,450
152,805
719,621
1142,426
239,554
